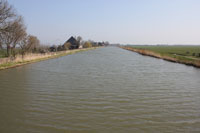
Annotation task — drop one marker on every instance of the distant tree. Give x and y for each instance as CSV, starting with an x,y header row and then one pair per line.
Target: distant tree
x,y
106,43
60,48
80,42
33,43
23,44
43,49
67,46
79,39
87,44
193,54
29,44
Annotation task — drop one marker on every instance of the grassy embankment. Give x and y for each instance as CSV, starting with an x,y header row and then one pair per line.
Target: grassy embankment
x,y
41,58
189,55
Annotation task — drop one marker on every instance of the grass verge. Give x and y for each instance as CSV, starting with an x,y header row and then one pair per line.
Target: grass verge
x,y
178,54
20,63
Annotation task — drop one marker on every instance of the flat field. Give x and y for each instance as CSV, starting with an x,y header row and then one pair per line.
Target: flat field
x,y
175,50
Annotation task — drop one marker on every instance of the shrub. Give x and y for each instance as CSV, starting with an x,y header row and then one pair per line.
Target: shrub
x,y
60,48
67,46
87,45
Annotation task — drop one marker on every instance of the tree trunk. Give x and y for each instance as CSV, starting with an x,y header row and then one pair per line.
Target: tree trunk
x,y
8,50
13,52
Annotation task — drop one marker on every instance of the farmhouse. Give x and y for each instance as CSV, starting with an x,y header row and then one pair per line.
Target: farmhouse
x,y
74,43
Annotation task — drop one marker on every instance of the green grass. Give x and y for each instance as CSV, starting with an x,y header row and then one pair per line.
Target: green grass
x,y
186,54
2,53
173,51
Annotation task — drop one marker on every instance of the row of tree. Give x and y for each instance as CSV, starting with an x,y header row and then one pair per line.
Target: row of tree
x,y
77,43
15,40
13,33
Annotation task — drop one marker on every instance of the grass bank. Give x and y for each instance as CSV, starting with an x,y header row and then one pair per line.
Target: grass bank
x,y
188,55
6,63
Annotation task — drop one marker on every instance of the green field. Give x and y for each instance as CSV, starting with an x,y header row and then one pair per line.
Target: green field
x,y
175,50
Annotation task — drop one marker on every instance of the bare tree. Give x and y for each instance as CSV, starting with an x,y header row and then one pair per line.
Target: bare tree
x,y
44,48
23,44
13,31
13,34
8,22
7,13
19,32
79,39
29,44
1,45
33,43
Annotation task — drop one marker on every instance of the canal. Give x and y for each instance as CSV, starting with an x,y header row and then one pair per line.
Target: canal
x,y
102,90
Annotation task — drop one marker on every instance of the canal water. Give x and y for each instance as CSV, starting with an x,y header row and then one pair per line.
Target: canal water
x,y
102,90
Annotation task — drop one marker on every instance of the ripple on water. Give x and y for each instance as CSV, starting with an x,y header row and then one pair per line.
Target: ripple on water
x,y
103,90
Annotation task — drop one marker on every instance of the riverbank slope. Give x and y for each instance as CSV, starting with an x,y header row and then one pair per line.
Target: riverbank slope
x,y
168,57
6,63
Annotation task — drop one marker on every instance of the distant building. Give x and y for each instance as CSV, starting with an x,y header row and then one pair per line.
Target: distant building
x,y
53,48
80,46
100,44
74,43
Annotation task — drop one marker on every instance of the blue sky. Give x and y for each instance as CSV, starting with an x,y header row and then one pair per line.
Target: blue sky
x,y
116,21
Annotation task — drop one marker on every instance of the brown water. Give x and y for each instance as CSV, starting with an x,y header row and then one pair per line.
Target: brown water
x,y
103,90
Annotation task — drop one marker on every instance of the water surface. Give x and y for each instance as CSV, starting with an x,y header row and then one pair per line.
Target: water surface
x,y
103,90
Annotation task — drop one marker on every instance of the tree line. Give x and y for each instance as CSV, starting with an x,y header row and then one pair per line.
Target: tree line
x,y
77,43
13,35
15,40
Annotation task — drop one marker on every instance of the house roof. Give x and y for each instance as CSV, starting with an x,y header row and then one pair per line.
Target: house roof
x,y
72,40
